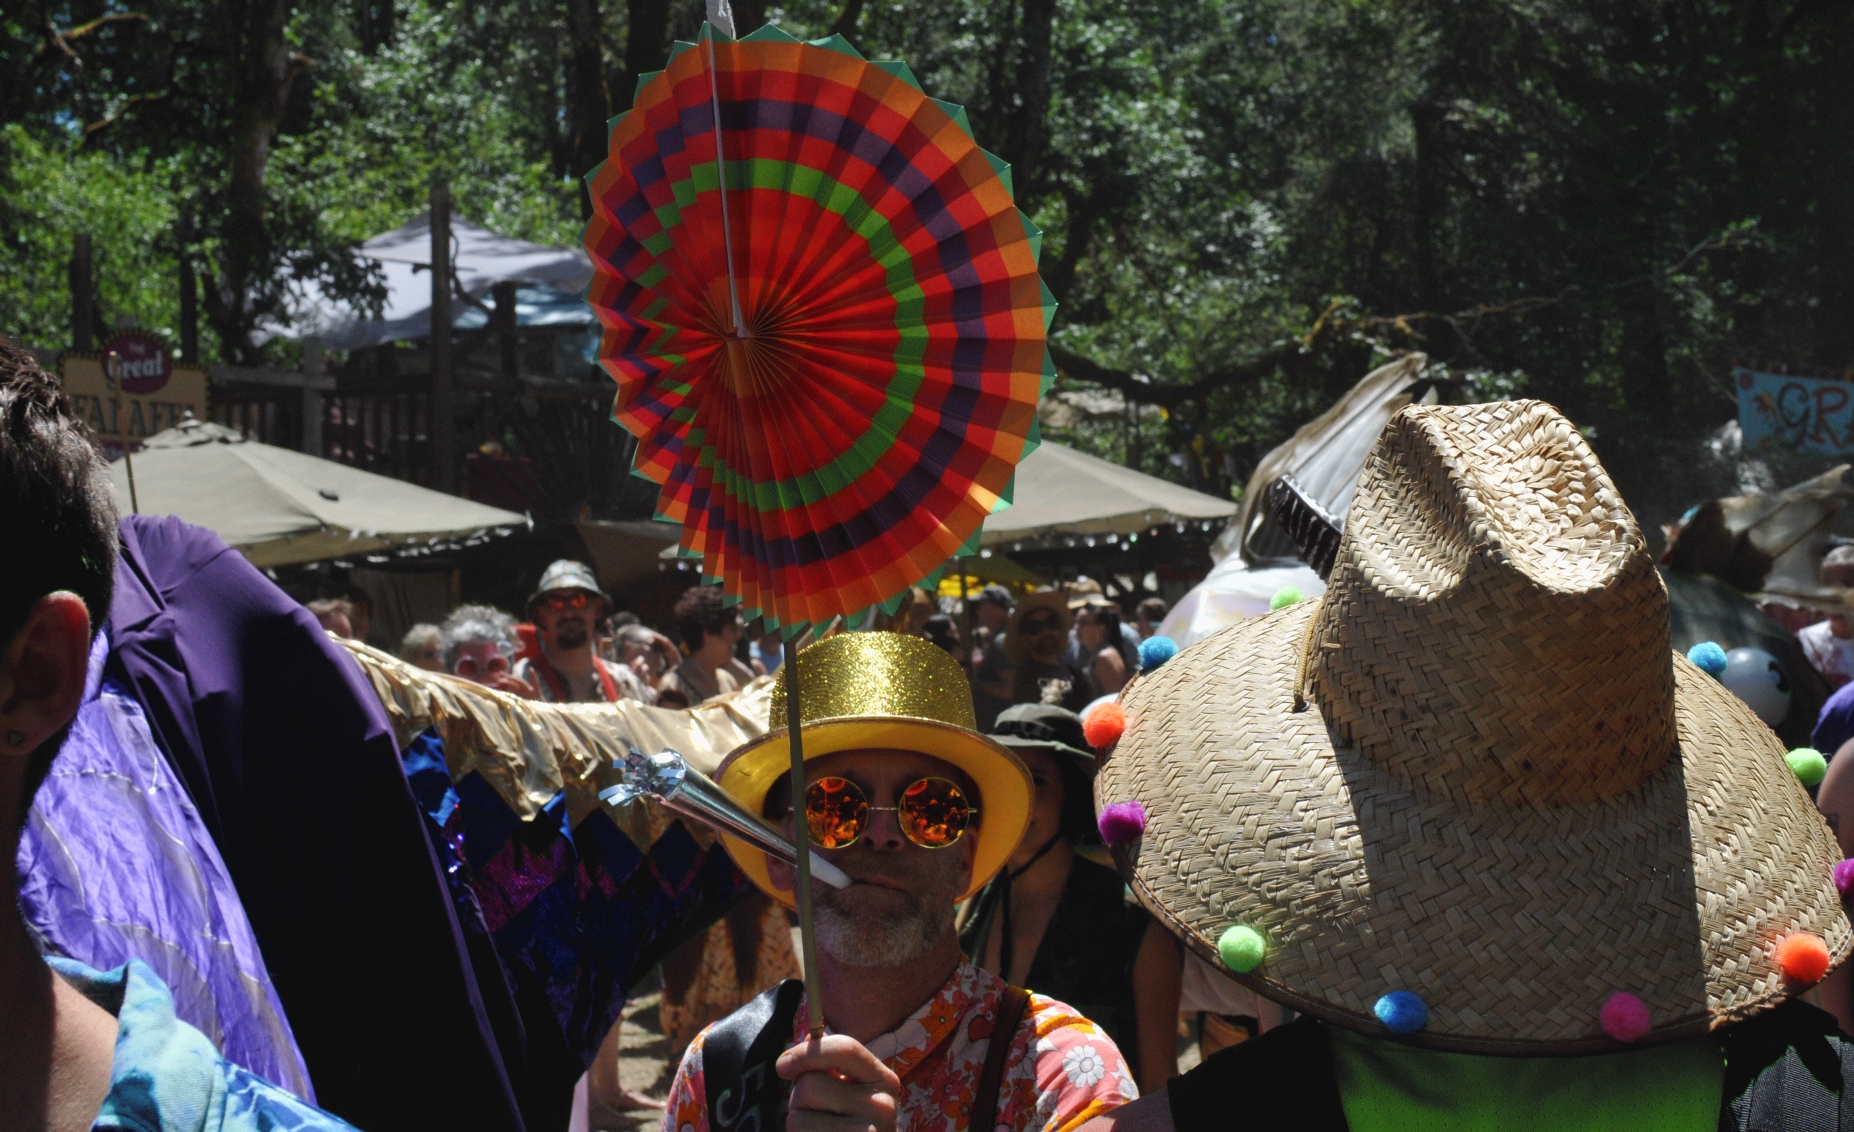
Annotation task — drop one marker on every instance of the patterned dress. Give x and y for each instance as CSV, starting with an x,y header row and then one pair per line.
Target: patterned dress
x,y
166,1077
1062,1070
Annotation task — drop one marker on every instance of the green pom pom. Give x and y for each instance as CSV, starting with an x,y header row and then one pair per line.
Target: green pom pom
x,y
1284,597
1241,948
1807,764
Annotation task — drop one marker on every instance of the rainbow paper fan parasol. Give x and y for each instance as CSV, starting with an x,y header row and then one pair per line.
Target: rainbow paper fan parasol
x,y
832,363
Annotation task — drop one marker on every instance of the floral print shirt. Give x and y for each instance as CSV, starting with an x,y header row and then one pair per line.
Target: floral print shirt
x,y
1062,1070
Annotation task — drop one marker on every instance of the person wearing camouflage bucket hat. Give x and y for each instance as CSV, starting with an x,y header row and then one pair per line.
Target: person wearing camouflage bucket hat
x,y
1516,862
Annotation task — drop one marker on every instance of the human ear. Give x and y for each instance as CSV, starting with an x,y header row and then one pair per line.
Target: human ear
x,y
42,675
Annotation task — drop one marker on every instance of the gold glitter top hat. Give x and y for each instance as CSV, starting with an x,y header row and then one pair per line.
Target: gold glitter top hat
x,y
884,691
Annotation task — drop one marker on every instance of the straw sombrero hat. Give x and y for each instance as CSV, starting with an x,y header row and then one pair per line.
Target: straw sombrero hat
x,y
1475,772
883,691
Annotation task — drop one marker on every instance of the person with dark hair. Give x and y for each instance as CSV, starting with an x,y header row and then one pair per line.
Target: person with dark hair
x,y
992,671
1097,630
79,1047
941,631
709,630
1057,922
1148,614
566,607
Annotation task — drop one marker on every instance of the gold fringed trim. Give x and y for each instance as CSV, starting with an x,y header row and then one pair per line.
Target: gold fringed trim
x,y
530,752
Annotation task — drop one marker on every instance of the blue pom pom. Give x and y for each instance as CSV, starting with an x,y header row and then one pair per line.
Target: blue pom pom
x,y
1708,656
1401,1012
1154,651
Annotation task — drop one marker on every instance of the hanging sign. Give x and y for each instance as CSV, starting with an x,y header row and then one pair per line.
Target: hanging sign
x,y
132,389
1798,414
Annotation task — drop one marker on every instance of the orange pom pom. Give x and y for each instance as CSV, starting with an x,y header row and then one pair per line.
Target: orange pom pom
x,y
1802,957
1104,725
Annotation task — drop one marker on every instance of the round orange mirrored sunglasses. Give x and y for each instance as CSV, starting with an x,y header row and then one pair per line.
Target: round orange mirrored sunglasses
x,y
932,812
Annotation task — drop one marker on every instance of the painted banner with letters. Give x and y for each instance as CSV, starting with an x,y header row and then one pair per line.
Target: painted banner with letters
x,y
1798,414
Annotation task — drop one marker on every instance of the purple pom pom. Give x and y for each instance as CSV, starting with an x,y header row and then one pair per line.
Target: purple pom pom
x,y
1844,875
1626,1017
1122,823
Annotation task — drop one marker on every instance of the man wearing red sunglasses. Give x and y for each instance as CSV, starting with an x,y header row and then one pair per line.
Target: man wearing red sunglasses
x,y
565,608
920,810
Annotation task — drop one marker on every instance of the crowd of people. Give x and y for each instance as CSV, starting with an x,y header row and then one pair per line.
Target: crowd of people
x,y
1068,645
1416,853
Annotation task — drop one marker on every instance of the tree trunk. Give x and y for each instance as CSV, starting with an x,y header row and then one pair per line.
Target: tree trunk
x,y
589,100
646,45
1027,131
262,72
749,16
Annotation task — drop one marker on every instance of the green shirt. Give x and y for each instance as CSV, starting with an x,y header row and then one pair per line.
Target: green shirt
x,y
1389,1087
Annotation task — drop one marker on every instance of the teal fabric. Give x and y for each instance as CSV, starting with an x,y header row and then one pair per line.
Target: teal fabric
x,y
1386,1086
167,1077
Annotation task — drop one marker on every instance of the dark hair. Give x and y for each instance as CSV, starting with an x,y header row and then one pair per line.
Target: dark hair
x,y
1077,824
1153,609
996,595
1108,617
55,498
939,629
699,612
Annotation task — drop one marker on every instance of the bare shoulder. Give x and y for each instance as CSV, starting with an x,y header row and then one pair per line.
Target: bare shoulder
x,y
1148,1114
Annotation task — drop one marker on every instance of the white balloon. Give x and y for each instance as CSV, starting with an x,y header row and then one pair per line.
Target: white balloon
x,y
1757,678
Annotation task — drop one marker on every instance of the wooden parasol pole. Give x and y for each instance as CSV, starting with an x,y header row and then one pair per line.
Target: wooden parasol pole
x,y
801,836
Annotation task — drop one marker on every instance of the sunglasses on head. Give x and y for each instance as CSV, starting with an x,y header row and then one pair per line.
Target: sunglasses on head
x,y
932,812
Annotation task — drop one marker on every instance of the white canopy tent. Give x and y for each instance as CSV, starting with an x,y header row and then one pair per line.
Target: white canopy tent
x,y
278,507
553,278
1061,492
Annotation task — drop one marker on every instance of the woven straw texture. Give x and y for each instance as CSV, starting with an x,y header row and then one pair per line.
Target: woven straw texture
x,y
1475,770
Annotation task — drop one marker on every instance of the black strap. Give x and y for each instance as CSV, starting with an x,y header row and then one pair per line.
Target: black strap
x,y
1011,1005
744,1094
1006,947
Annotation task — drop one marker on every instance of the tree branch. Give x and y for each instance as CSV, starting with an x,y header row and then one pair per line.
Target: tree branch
x,y
128,104
60,41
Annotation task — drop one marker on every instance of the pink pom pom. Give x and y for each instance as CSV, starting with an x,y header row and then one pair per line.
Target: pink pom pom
x,y
1122,823
1844,875
1625,1017
1104,725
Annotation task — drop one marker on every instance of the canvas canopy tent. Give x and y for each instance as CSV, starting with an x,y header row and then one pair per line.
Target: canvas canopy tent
x,y
552,281
1061,492
278,507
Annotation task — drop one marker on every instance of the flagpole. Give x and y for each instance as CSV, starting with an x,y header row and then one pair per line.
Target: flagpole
x,y
801,835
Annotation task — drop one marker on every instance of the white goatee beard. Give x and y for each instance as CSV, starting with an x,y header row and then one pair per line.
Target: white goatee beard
x,y
893,939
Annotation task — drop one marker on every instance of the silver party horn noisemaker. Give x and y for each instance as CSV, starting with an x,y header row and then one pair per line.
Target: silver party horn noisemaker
x,y
668,778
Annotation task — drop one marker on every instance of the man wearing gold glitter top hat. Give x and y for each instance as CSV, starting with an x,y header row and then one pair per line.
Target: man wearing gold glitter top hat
x,y
920,810
1517,863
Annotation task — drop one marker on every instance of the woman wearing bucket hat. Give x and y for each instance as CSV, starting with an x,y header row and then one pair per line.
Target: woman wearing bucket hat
x,y
1058,922
920,810
1517,863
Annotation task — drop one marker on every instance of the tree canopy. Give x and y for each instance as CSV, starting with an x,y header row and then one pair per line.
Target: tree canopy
x,y
1247,202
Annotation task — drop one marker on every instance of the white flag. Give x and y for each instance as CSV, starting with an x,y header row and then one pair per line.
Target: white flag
x,y
721,15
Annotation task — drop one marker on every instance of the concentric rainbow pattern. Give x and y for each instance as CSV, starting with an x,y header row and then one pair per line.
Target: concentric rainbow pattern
x,y
877,410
